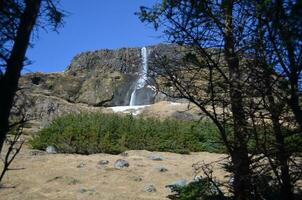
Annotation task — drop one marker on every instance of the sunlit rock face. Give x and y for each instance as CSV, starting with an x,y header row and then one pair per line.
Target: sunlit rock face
x,y
102,78
109,75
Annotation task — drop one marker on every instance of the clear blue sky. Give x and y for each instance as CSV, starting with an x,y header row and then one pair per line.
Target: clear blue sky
x,y
91,25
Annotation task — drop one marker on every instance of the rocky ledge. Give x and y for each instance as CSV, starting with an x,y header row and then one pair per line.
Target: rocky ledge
x,y
93,80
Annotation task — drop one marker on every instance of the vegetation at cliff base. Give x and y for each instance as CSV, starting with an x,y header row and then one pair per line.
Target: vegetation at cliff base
x,y
89,133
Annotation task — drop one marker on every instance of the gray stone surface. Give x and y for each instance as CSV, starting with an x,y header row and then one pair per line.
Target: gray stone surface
x,y
81,165
37,153
121,164
103,162
149,188
93,79
51,149
156,157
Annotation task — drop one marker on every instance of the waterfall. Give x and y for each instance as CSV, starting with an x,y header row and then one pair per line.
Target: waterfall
x,y
141,82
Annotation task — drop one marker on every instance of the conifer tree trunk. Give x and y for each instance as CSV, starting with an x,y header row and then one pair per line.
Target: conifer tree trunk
x,y
9,82
239,154
286,186
274,110
282,156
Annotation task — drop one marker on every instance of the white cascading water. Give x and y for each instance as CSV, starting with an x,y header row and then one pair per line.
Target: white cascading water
x,y
141,82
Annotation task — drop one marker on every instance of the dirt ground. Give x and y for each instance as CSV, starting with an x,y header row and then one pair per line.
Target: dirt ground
x,y
38,175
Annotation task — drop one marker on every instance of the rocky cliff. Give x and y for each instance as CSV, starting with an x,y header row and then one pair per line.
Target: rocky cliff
x,y
93,80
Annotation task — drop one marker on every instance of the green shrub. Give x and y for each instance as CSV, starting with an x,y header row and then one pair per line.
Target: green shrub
x,y
202,189
88,133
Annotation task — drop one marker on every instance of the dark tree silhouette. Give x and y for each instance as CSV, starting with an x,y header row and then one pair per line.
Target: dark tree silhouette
x,y
207,25
18,19
281,23
14,64
250,82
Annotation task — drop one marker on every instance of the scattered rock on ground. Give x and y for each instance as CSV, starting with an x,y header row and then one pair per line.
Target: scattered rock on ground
x,y
51,149
156,157
84,190
161,169
81,165
109,183
124,154
178,183
65,179
37,153
137,178
103,162
149,188
121,164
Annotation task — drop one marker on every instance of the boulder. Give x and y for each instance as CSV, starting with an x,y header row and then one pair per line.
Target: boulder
x,y
121,164
156,157
51,149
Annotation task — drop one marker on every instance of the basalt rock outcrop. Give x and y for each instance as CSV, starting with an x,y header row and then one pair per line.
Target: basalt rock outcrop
x,y
93,80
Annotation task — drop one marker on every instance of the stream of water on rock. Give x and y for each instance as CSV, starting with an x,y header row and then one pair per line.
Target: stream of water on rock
x,y
141,82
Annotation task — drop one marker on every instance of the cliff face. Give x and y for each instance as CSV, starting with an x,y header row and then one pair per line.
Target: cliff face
x,y
93,79
96,78
107,76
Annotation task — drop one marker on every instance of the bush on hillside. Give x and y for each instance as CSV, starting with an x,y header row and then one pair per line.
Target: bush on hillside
x,y
203,189
88,133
